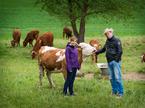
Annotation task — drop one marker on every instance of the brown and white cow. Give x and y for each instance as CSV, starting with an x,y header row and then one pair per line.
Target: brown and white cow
x,y
30,37
67,32
16,37
53,61
143,58
45,40
95,43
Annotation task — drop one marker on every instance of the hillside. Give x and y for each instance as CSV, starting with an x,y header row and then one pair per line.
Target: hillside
x,y
25,15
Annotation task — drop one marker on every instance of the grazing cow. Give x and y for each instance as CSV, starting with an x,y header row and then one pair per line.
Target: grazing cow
x,y
67,32
95,43
53,61
45,40
16,38
143,58
30,37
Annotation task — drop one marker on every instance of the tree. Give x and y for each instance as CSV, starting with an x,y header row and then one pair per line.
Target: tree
x,y
76,11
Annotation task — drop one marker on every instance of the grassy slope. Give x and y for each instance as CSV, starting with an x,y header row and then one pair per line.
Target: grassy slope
x,y
19,74
19,86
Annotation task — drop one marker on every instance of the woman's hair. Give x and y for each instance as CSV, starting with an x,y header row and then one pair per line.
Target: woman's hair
x,y
73,38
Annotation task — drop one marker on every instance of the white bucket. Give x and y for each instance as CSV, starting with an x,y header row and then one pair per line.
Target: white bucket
x,y
103,68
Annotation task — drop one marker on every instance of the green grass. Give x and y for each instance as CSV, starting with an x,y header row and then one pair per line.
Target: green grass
x,y
19,86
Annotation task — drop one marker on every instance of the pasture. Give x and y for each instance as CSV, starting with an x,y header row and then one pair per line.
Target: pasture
x,y
19,86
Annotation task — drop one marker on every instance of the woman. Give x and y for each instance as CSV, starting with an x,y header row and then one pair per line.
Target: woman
x,y
72,62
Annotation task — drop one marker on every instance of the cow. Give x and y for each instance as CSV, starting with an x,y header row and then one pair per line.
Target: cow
x,y
67,32
87,49
95,43
30,37
143,58
16,37
45,40
52,60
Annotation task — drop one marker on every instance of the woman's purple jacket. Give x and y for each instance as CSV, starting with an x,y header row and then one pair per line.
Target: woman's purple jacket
x,y
71,55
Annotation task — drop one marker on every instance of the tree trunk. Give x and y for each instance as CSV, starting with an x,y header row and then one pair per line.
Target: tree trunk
x,y
72,18
82,30
74,27
83,22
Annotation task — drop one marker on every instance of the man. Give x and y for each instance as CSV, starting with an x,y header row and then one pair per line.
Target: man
x,y
113,50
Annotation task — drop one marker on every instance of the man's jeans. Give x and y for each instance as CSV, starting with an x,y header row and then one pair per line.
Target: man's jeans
x,y
115,77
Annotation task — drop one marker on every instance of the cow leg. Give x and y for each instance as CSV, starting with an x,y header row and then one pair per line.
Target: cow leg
x,y
41,74
31,43
64,74
50,79
15,44
94,58
18,43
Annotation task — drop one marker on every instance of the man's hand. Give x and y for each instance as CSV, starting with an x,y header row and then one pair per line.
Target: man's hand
x,y
70,70
94,52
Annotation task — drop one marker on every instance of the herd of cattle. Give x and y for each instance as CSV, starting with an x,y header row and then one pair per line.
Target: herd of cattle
x,y
52,59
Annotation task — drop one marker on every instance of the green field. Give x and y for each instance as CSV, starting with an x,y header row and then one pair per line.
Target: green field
x,y
19,86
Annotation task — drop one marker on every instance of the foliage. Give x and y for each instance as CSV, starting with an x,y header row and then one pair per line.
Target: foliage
x,y
113,7
75,10
15,15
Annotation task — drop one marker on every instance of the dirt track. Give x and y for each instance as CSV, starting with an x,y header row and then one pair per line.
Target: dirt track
x,y
127,76
134,76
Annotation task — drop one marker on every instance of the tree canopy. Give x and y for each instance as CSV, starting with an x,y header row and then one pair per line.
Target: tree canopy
x,y
77,10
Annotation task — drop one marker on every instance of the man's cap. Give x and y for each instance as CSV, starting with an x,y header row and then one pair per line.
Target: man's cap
x,y
108,30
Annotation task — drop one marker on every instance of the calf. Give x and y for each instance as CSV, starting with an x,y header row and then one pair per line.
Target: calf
x,y
67,32
16,38
53,60
45,40
30,37
95,43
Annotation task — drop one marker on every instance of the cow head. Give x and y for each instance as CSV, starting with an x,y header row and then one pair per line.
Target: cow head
x,y
13,43
36,34
36,48
87,49
33,54
95,43
97,46
24,43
